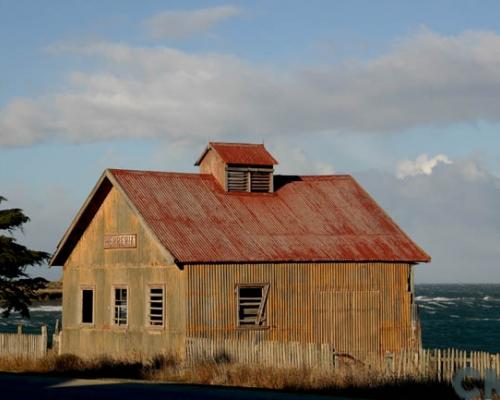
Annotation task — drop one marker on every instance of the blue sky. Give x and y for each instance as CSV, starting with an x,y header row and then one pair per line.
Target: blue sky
x,y
403,95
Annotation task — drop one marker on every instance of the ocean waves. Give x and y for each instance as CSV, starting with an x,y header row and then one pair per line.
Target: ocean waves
x,y
462,316
41,308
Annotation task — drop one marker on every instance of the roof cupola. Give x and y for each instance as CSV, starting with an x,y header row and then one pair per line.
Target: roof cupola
x,y
239,167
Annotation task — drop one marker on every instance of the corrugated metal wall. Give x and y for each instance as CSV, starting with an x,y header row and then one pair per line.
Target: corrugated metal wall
x,y
360,308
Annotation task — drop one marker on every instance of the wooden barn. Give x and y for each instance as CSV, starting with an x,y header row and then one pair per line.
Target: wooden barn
x,y
157,261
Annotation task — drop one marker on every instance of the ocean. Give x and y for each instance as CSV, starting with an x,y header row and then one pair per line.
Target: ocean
x,y
464,317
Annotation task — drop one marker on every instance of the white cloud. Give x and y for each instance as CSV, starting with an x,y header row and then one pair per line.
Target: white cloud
x,y
471,170
423,165
158,92
294,160
453,217
179,24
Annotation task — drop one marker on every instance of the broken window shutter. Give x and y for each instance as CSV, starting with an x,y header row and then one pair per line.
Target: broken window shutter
x,y
261,313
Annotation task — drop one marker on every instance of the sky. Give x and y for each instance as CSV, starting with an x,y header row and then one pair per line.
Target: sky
x,y
403,95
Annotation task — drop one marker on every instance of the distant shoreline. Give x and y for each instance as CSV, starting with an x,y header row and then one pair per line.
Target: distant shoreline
x,y
52,292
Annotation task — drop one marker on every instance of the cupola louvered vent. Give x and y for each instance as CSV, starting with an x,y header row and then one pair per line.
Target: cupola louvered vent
x,y
237,180
260,181
239,167
244,179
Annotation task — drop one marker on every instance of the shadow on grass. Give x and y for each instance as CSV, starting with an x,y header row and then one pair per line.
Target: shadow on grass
x,y
221,374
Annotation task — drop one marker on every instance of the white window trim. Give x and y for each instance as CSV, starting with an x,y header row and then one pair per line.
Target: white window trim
x,y
80,307
147,310
113,305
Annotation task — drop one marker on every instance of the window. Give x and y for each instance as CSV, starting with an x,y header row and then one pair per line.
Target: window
x,y
156,306
252,299
243,179
120,306
87,306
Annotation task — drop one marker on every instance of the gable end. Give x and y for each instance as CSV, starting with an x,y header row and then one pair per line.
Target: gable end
x,y
105,185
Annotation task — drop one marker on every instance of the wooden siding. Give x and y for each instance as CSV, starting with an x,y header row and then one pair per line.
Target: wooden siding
x,y
213,164
359,307
92,266
116,217
349,319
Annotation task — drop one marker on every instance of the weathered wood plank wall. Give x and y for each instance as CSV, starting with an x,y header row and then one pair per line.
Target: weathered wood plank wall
x,y
358,307
90,265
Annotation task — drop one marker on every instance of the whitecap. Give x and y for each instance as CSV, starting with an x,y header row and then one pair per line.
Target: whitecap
x,y
439,299
438,304
425,307
489,298
446,299
46,308
483,319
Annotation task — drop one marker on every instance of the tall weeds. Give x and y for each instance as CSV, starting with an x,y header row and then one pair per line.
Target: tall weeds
x,y
353,381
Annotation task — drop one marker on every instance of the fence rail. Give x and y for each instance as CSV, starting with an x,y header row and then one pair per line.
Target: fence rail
x,y
24,345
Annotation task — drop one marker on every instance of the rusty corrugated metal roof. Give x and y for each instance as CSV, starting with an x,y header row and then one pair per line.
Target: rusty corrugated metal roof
x,y
309,218
241,153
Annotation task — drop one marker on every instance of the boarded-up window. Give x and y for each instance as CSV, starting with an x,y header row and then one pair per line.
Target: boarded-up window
x,y
87,306
252,301
156,306
120,306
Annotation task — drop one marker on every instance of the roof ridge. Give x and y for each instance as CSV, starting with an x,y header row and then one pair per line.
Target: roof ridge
x,y
236,144
173,173
329,176
204,175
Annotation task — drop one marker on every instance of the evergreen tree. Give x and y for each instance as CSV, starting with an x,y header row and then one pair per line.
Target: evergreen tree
x,y
17,288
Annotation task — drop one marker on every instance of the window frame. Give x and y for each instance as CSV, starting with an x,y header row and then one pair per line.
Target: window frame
x,y
82,288
113,305
147,313
265,297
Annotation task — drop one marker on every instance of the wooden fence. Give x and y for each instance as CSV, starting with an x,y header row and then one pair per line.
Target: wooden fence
x,y
439,364
282,354
435,364
24,345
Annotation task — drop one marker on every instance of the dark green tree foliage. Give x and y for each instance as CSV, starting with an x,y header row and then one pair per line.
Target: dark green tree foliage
x,y
17,288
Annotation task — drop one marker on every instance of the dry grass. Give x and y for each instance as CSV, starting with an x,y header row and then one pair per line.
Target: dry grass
x,y
348,381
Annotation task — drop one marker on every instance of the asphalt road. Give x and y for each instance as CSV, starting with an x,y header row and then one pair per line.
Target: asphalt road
x,y
14,387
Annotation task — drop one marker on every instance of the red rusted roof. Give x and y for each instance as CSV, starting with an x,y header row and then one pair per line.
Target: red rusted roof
x,y
240,153
309,218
